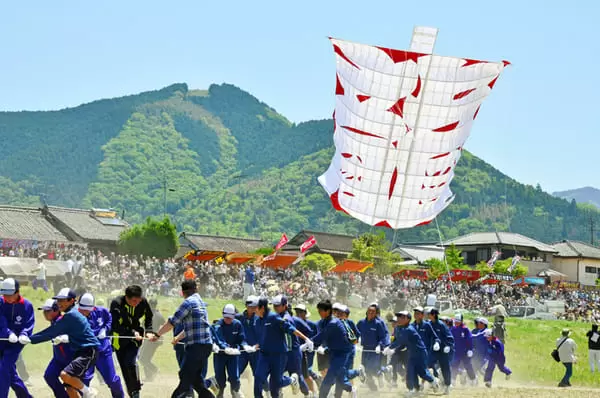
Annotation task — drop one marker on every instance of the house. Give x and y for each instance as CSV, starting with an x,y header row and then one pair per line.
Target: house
x,y
336,245
418,254
479,246
227,244
99,228
579,261
26,226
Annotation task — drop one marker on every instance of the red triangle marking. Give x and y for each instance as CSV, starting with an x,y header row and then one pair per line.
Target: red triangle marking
x,y
423,223
417,89
361,132
491,84
398,107
346,155
393,183
362,98
339,89
472,62
441,155
506,63
339,52
398,56
463,94
395,144
359,178
476,112
383,224
446,128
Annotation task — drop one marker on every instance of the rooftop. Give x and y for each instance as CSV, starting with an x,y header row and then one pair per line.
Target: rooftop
x,y
96,225
570,248
419,253
501,239
27,223
326,242
227,244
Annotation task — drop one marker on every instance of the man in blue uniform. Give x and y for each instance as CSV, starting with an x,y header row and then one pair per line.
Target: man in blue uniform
x,y
308,357
100,321
495,357
353,337
374,338
445,355
408,337
249,282
463,352
249,321
273,350
230,339
16,325
480,344
82,340
333,334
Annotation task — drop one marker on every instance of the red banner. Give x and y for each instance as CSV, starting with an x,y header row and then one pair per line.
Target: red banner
x,y
457,275
282,242
310,242
412,274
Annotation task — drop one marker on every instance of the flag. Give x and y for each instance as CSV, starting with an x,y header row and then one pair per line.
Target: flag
x,y
514,263
310,242
494,258
270,257
282,242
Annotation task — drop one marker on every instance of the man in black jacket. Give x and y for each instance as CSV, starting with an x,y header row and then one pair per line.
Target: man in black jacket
x,y
594,347
128,333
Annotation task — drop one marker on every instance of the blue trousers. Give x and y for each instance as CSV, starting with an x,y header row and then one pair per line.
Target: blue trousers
x,y
294,365
179,354
270,364
493,363
106,368
8,372
191,371
222,362
52,377
248,359
417,367
466,363
568,373
444,361
351,373
336,374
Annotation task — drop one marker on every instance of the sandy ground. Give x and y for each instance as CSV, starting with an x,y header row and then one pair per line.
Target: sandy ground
x,y
163,386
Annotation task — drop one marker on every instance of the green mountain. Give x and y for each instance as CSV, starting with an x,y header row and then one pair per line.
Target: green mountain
x,y
232,165
583,195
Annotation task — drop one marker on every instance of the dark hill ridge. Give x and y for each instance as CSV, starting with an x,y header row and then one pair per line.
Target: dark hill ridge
x,y
581,195
237,167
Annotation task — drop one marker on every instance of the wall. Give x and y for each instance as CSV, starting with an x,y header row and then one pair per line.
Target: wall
x,y
568,266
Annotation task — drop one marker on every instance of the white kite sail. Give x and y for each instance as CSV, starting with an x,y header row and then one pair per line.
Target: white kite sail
x,y
400,122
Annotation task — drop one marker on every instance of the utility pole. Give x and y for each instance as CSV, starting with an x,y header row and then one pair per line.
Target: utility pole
x,y
165,194
591,230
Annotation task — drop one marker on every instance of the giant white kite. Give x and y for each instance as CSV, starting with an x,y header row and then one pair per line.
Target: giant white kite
x,y
400,122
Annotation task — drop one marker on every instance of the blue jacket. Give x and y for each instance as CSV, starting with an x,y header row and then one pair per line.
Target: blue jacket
x,y
273,331
313,327
480,343
250,325
427,334
249,276
409,337
443,333
373,333
99,319
228,336
463,340
293,342
73,324
495,351
333,335
18,318
304,327
62,353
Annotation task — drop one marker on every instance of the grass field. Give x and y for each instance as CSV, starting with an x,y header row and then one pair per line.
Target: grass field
x,y
528,348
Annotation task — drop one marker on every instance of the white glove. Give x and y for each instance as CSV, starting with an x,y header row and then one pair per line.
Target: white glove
x,y
469,353
249,349
404,349
304,347
388,352
229,351
309,344
436,346
378,350
359,348
102,334
12,338
24,339
62,339
321,350
216,349
446,349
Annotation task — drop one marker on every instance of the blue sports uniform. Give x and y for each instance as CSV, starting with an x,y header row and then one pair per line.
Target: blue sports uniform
x,y
495,357
251,331
228,336
373,333
416,365
463,343
443,359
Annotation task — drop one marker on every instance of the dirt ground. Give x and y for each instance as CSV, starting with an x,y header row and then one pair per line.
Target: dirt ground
x,y
163,386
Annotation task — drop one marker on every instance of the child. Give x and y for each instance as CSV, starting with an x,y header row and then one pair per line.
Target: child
x,y
495,357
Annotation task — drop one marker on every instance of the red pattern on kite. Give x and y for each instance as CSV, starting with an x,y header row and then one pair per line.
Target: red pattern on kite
x,y
417,89
395,144
441,155
398,107
335,201
393,183
359,158
447,169
359,178
362,98
442,184
346,155
491,84
350,178
463,94
476,112
383,223
420,202
472,62
506,63
446,128
423,223
339,89
339,52
348,193
361,132
398,56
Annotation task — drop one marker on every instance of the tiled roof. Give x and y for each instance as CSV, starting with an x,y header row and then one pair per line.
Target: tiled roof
x,y
27,223
224,243
500,238
335,243
570,248
82,223
420,253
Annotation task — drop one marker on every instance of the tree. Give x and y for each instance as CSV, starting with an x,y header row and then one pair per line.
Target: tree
x,y
151,239
318,262
501,267
454,260
376,249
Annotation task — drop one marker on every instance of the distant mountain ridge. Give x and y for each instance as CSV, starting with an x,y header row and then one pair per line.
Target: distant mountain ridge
x,y
232,165
589,195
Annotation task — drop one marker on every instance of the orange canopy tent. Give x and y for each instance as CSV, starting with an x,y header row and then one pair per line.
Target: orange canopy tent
x,y
282,261
351,266
241,258
203,255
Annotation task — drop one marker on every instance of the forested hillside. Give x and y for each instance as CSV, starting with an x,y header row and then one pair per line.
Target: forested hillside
x,y
232,165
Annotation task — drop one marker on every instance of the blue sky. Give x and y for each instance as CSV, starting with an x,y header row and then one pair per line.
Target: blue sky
x,y
538,125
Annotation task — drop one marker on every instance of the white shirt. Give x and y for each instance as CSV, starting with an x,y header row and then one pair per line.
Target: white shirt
x,y
41,276
566,352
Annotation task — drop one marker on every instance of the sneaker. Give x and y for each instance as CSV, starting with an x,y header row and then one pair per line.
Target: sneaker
x,y
488,384
354,392
362,375
294,384
212,385
435,385
91,393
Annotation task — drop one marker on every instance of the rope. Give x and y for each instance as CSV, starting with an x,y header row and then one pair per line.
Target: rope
x,y
446,262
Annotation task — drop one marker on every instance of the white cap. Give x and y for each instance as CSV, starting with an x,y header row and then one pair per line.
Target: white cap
x,y
279,300
487,332
484,321
86,302
337,306
252,301
8,286
345,309
48,305
229,311
302,307
458,317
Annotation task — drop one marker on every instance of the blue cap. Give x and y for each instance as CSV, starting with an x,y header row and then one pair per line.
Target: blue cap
x,y
9,286
65,293
279,300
